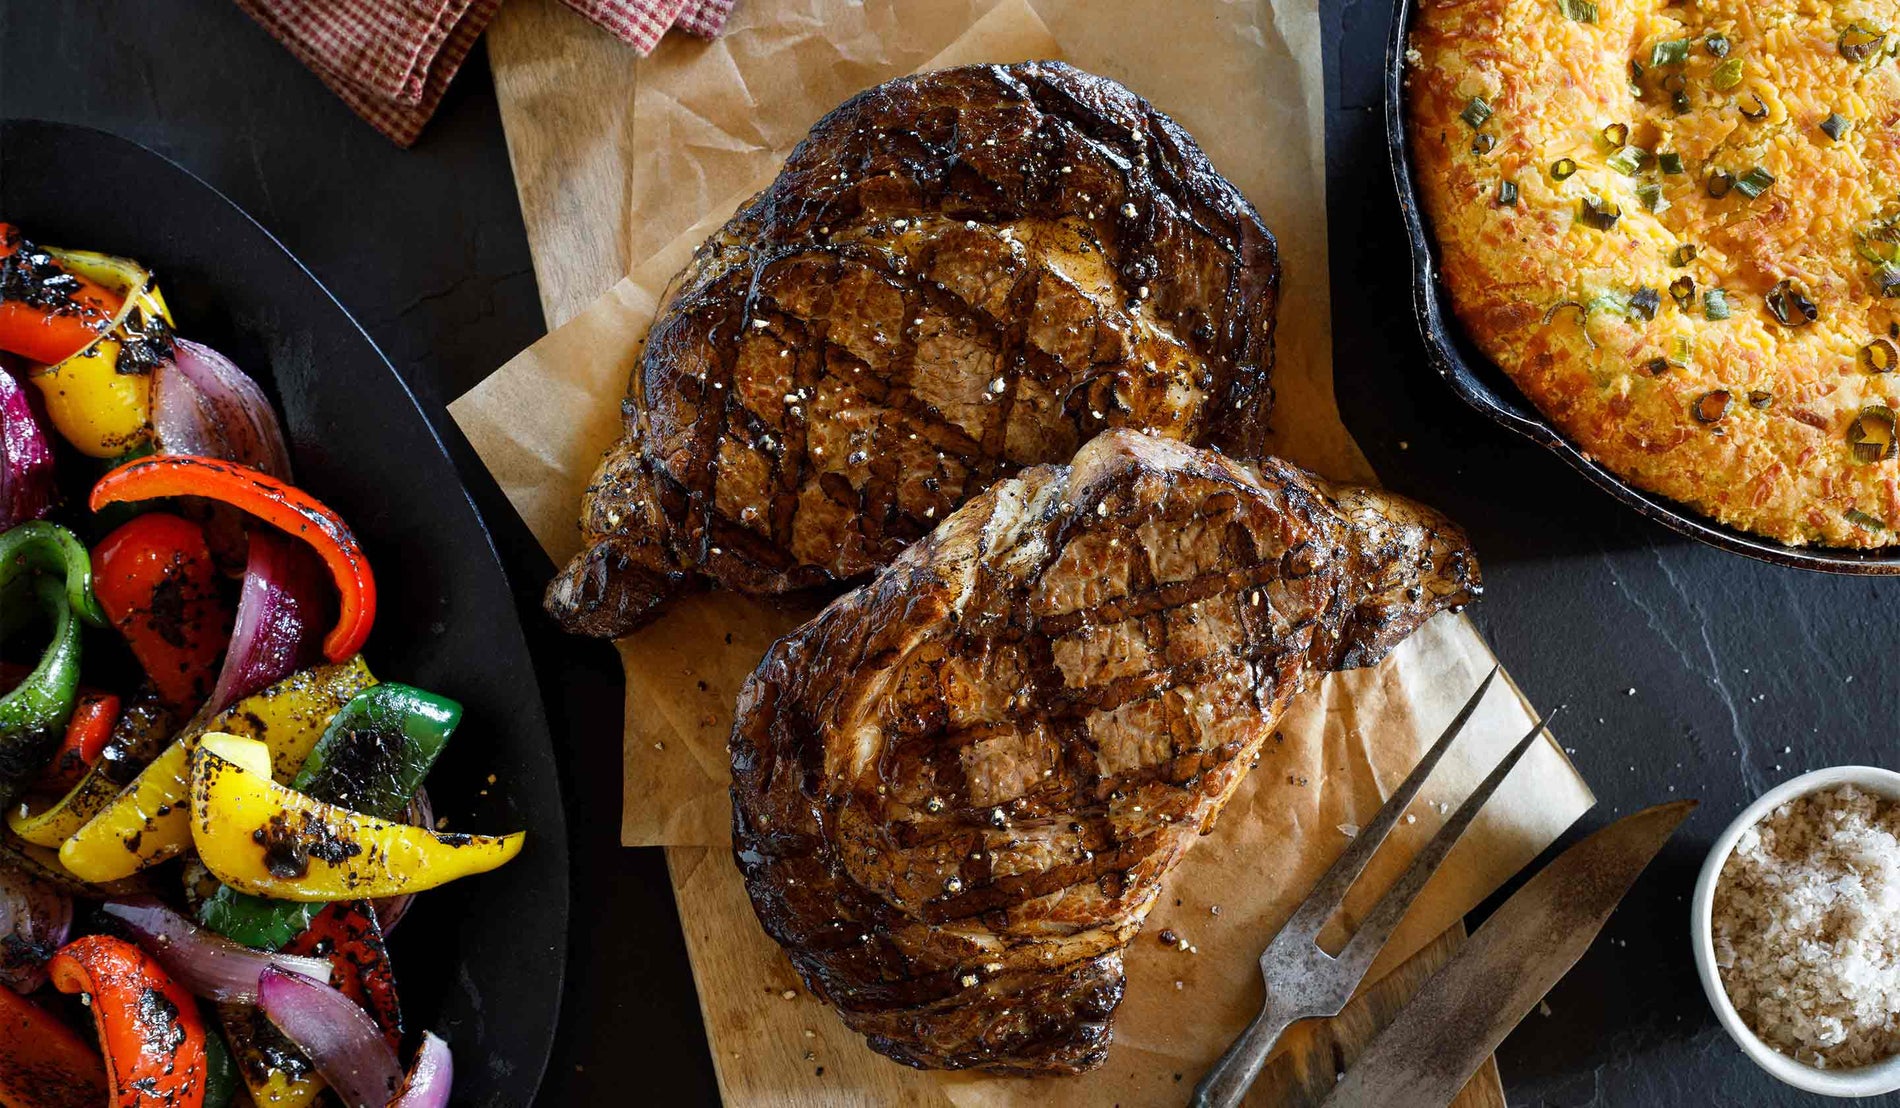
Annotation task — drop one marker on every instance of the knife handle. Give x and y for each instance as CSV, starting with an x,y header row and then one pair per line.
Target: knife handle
x,y
1228,1080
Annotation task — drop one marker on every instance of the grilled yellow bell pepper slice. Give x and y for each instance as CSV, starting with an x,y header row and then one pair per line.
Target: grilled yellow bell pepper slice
x,y
100,399
140,731
149,820
267,840
275,1078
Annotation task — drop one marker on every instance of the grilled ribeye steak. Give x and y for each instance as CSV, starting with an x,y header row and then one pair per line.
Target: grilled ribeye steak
x,y
956,275
957,790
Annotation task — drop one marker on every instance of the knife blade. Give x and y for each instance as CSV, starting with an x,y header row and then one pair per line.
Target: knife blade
x,y
1441,1037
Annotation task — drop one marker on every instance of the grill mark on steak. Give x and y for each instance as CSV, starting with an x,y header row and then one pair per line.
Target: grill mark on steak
x,y
956,792
1075,262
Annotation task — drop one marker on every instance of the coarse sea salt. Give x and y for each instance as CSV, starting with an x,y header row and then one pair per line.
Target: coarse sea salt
x,y
1806,928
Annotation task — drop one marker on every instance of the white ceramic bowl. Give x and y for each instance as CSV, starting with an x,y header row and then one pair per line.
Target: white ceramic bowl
x,y
1871,1080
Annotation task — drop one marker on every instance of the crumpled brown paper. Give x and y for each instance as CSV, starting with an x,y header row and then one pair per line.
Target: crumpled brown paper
x,y
712,123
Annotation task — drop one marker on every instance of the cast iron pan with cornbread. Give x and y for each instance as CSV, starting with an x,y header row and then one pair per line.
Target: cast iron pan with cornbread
x,y
1456,354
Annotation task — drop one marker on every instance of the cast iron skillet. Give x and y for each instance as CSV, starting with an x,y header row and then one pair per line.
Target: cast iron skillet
x,y
478,961
1483,386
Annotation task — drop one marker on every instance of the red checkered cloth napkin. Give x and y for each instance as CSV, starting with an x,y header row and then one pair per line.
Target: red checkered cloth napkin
x,y
391,60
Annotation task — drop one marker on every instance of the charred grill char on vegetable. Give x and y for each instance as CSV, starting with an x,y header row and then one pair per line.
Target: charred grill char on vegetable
x,y
957,790
956,275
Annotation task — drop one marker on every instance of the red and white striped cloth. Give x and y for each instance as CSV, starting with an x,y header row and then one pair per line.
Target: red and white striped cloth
x,y
391,60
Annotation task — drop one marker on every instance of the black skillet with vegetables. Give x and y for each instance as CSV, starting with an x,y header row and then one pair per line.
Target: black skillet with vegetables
x,y
215,812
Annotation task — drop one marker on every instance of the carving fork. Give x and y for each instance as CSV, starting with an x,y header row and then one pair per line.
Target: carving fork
x,y
1303,981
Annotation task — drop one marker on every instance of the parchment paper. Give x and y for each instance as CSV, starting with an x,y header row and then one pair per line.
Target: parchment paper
x,y
713,122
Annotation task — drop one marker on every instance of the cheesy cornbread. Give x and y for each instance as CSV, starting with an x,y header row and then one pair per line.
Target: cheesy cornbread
x,y
1677,228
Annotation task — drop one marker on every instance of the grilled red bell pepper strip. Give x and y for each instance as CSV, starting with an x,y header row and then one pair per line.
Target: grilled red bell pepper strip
x,y
283,506
347,933
88,730
155,579
149,1026
43,1063
48,314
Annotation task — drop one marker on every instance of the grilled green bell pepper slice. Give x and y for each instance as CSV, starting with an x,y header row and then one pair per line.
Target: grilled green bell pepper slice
x,y
50,548
221,1075
33,715
371,759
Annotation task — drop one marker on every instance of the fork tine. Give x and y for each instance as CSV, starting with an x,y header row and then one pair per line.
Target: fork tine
x,y
1330,892
1377,927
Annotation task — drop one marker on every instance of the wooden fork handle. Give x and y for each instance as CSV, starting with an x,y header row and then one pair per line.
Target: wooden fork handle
x,y
1233,1074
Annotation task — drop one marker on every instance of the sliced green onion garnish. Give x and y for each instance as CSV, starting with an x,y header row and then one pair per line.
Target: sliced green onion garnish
x,y
1757,111
1760,398
1727,75
1715,304
1680,102
1651,196
1476,111
1879,356
1862,519
1607,302
1562,169
1755,182
1835,125
1720,182
1644,302
1600,214
1628,161
1582,312
1684,350
1878,241
1872,434
1583,11
1507,193
1673,51
1711,406
1670,163
1788,302
1683,290
1483,143
1716,43
1615,135
1683,255
1858,43
1887,277
1656,367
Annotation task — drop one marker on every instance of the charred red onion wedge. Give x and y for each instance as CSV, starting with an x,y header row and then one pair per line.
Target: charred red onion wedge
x,y
201,960
26,457
35,919
339,1038
427,1085
202,404
281,618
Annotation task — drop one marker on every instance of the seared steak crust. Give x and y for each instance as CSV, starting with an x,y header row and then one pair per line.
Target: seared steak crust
x,y
956,275
957,790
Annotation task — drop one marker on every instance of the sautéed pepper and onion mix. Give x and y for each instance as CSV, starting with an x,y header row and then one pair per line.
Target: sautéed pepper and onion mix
x,y
215,811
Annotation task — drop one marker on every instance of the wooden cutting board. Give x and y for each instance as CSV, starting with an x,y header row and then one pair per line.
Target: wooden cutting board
x,y
566,91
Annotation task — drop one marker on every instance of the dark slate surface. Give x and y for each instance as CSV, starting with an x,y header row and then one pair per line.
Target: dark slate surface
x,y
1682,672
